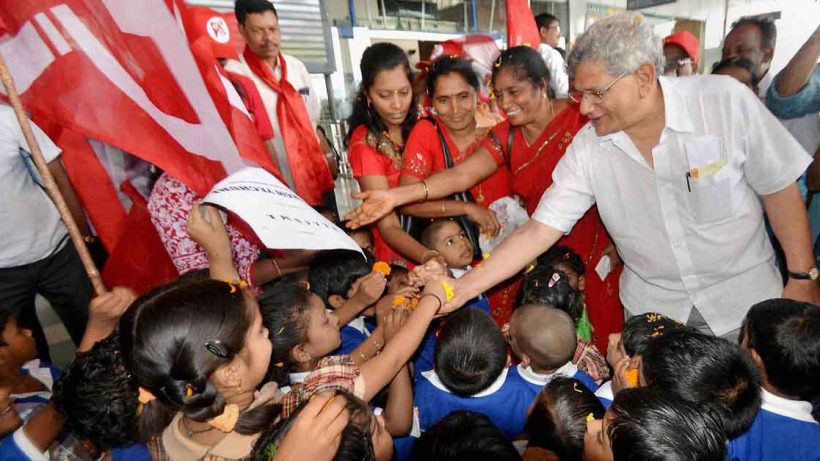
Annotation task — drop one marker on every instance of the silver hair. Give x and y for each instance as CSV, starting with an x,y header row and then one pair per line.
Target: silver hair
x,y
621,43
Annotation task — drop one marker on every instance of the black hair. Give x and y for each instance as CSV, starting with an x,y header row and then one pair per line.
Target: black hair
x,y
360,230
741,63
446,65
470,352
786,336
173,338
705,370
376,58
356,442
766,25
5,316
285,308
649,425
640,330
525,64
536,289
98,397
464,435
333,272
431,229
544,20
562,255
558,419
242,8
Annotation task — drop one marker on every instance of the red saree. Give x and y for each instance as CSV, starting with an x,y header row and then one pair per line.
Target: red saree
x,y
531,167
424,156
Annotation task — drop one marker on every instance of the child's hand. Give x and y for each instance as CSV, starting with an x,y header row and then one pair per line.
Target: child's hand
x,y
108,308
317,431
9,419
209,232
623,375
432,270
370,289
393,321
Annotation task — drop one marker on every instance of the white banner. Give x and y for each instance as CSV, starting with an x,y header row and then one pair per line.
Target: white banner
x,y
279,217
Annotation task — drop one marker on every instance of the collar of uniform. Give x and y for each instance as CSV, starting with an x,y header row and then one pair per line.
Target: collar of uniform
x,y
568,369
675,110
359,325
492,389
795,409
298,378
605,391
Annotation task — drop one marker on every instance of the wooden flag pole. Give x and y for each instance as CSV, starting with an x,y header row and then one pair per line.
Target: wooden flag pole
x,y
48,180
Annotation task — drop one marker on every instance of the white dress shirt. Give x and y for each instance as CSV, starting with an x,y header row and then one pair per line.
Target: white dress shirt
x,y
559,80
686,241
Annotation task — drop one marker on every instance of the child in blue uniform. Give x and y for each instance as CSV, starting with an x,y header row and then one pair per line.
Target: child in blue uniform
x,y
471,373
345,283
544,339
783,338
625,349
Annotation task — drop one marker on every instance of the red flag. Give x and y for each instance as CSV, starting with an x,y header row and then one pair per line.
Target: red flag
x,y
126,77
521,28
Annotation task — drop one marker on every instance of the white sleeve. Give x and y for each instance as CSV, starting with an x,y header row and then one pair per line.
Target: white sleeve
x,y
24,444
47,147
773,158
314,106
571,194
559,80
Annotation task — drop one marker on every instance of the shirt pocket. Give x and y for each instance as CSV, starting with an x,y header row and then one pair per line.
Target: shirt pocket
x,y
708,180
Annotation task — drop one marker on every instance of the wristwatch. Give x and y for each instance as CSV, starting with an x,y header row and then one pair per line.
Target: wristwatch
x,y
811,274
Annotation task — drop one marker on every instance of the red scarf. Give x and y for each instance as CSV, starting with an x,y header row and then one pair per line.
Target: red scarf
x,y
308,167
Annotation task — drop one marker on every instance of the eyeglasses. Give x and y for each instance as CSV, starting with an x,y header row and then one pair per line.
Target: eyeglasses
x,y
677,65
578,95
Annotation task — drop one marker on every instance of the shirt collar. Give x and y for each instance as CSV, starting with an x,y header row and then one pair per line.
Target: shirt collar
x,y
568,369
794,409
492,389
675,110
298,378
359,325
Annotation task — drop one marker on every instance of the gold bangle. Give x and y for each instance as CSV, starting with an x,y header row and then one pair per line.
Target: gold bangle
x,y
443,212
426,191
437,299
431,253
276,266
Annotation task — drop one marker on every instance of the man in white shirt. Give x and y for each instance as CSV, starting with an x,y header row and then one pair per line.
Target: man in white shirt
x,y
289,99
681,171
36,256
549,29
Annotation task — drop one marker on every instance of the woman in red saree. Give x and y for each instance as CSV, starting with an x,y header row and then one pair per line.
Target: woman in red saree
x,y
383,114
542,128
453,88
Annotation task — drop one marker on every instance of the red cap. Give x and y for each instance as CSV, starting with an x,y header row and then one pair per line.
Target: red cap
x,y
687,41
201,21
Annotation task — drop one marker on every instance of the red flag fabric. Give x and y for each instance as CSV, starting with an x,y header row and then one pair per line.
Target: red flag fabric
x,y
221,29
521,28
126,77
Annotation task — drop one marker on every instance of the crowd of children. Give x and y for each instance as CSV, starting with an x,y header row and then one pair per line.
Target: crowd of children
x,y
353,359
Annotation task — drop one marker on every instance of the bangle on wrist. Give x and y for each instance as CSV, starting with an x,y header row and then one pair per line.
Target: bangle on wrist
x,y
436,298
426,191
276,266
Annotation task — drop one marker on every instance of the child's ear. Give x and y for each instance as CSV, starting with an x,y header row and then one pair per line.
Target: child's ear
x,y
582,282
758,362
227,376
335,301
298,354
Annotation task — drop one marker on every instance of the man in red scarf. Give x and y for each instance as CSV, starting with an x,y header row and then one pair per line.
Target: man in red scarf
x,y
292,105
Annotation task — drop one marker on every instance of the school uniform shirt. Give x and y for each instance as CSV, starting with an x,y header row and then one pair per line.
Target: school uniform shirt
x,y
29,221
605,394
783,430
353,335
690,230
536,381
505,402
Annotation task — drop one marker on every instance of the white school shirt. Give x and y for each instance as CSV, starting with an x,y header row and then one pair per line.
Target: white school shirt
x,y
686,241
29,222
299,77
559,80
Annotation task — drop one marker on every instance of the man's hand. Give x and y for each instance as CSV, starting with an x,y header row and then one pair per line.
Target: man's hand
x,y
802,290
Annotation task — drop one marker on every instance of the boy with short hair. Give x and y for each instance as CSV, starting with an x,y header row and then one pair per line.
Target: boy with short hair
x,y
544,339
783,339
708,371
